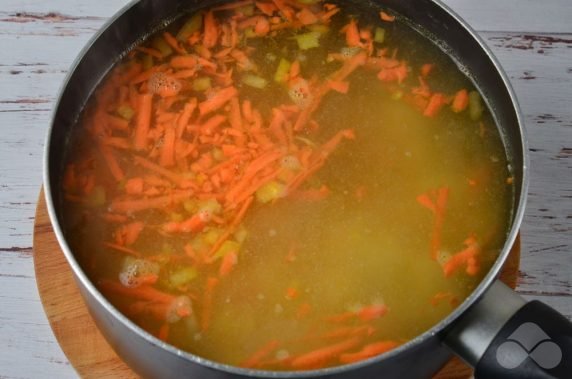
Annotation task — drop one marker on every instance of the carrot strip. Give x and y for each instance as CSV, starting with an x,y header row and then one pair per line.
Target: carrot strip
x,y
266,8
339,86
112,163
372,312
467,256
307,17
175,178
426,69
436,102
129,206
386,16
352,34
368,351
150,51
172,41
286,11
439,296
262,26
210,33
319,357
146,75
228,262
143,121
235,116
129,233
212,123
235,222
117,142
142,292
461,101
122,249
134,186
217,101
167,158
184,61
436,202
255,359
208,298
185,117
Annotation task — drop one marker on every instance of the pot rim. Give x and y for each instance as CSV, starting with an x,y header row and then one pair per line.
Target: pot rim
x,y
438,328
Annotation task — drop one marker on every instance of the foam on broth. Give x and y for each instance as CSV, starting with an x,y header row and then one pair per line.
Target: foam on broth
x,y
305,262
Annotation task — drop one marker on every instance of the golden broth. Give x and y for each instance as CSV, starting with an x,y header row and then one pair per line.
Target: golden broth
x,y
354,238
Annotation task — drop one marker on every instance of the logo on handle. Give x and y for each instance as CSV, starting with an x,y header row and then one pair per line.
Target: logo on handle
x,y
529,340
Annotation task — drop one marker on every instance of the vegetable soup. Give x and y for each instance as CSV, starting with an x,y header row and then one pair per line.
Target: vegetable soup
x,y
286,184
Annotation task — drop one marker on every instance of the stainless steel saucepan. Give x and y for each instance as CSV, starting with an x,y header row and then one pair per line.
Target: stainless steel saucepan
x,y
494,329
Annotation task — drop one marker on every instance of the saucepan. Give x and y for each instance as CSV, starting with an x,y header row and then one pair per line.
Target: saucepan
x,y
494,330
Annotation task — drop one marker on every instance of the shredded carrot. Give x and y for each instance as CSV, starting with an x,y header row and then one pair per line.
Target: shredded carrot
x,y
339,86
318,358
436,102
143,292
143,121
210,35
467,256
255,359
184,61
352,34
426,69
436,202
112,163
130,206
172,41
460,101
307,17
368,351
122,249
185,153
386,16
217,100
208,298
228,262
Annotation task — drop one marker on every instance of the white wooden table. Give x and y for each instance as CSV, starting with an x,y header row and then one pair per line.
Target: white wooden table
x,y
39,40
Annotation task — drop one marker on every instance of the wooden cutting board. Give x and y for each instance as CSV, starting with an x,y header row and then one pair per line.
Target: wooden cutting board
x,y
80,339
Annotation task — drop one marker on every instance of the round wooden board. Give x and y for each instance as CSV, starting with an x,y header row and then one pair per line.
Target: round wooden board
x,y
77,334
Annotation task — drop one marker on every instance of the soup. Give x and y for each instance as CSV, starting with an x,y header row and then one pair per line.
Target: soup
x,y
286,185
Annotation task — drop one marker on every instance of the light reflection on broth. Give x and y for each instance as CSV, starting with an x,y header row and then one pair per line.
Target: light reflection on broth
x,y
397,225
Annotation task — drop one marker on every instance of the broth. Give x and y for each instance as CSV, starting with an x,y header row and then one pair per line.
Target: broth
x,y
277,217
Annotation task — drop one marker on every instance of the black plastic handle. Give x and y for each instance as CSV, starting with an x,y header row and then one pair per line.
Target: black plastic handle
x,y
535,343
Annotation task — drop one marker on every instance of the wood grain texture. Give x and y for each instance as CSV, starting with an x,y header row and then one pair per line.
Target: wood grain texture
x,y
40,39
77,334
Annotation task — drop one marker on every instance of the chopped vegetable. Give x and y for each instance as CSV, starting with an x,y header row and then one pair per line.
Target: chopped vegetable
x,y
126,112
475,106
162,46
182,276
269,192
379,35
97,197
308,40
202,84
192,25
282,71
254,81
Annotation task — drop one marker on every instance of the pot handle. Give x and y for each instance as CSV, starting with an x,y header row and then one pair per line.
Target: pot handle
x,y
504,337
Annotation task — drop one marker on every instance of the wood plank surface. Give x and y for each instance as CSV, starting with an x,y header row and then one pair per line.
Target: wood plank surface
x,y
40,39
